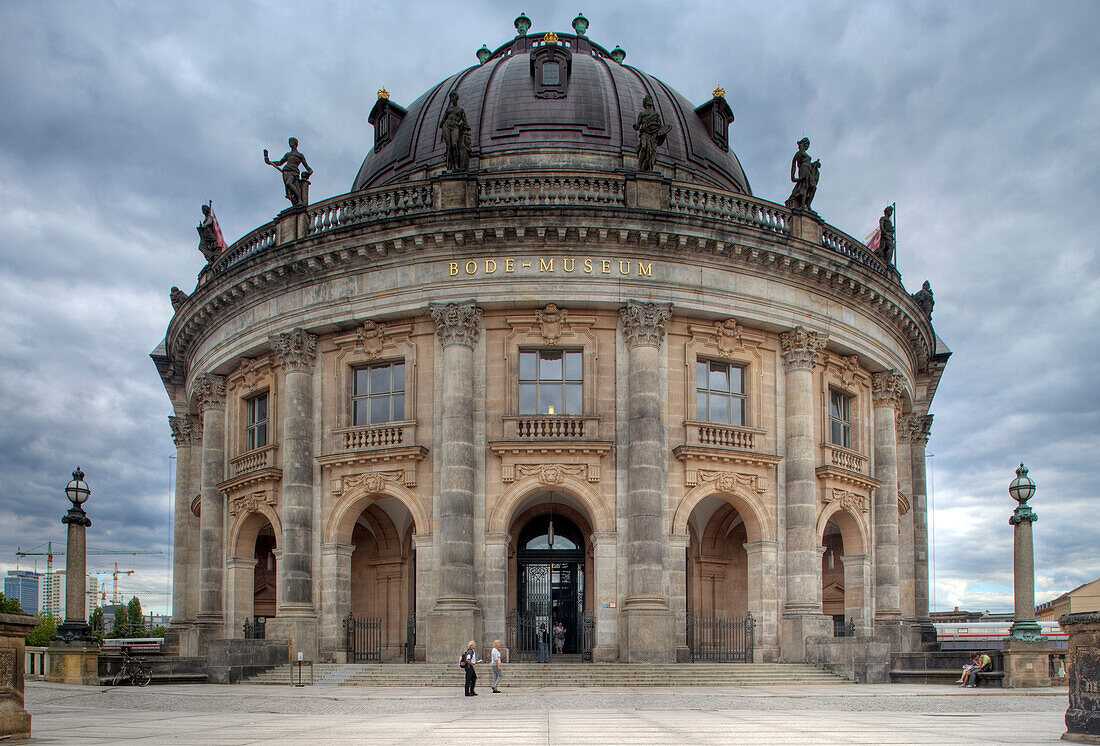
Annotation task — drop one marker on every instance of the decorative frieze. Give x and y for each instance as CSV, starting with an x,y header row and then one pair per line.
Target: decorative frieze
x,y
549,474
644,323
853,502
295,351
457,323
210,390
725,481
886,388
182,429
801,348
551,320
373,481
845,368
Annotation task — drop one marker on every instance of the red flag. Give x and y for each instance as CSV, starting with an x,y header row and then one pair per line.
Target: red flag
x,y
222,246
874,238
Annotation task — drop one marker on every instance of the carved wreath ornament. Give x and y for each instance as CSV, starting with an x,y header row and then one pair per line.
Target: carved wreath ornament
x,y
850,501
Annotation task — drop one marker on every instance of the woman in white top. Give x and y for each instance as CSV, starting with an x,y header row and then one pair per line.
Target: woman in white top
x,y
498,675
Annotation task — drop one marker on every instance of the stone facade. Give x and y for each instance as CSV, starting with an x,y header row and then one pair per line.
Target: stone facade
x,y
390,336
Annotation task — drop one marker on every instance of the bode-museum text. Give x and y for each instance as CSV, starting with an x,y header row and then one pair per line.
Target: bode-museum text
x,y
557,265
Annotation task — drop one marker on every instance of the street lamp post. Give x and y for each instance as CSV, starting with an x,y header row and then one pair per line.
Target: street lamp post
x,y
76,627
1024,626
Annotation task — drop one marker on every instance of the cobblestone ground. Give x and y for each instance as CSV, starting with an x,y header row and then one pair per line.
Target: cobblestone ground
x,y
203,714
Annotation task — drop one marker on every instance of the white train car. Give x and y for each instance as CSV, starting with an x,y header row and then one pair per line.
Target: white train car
x,y
991,635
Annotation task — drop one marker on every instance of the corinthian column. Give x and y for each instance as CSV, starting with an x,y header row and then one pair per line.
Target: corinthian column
x,y
456,618
886,390
904,426
210,389
647,633
918,442
181,514
802,615
296,619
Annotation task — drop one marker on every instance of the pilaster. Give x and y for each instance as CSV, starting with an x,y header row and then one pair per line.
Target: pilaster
x,y
886,388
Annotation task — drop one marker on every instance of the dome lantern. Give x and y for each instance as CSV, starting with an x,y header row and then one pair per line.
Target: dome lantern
x,y
580,24
522,24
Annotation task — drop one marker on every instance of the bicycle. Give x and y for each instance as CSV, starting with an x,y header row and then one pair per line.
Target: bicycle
x,y
133,670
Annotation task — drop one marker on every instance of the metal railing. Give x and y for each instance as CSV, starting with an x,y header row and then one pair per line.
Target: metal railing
x,y
721,640
363,639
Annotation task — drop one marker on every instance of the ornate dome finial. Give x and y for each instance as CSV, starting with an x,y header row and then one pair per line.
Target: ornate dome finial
x,y
550,38
522,24
483,54
383,93
719,92
618,54
580,24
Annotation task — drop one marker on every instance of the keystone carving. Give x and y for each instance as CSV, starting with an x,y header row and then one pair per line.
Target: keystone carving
x,y
457,323
551,320
295,350
250,503
725,481
372,481
850,501
181,430
886,388
801,348
370,338
210,390
846,368
728,334
550,474
644,323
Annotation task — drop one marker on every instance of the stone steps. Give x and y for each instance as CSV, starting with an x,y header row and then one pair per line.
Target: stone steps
x,y
565,674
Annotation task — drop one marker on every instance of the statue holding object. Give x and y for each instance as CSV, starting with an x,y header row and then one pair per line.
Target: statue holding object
x,y
924,299
651,134
296,184
887,240
805,173
210,239
455,131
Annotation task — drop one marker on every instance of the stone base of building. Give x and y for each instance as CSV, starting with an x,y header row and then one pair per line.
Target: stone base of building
x,y
896,631
922,635
181,639
647,633
605,653
1027,664
796,629
1083,713
300,630
231,661
74,663
864,660
449,631
207,628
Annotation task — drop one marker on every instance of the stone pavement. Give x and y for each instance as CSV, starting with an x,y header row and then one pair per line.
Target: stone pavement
x,y
867,714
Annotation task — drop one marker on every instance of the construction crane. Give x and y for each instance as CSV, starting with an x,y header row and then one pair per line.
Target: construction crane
x,y
116,572
49,555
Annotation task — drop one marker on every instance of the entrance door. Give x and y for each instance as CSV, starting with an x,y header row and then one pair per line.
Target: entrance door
x,y
550,586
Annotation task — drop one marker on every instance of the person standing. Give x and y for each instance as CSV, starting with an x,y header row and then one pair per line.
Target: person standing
x,y
469,660
559,637
498,674
544,644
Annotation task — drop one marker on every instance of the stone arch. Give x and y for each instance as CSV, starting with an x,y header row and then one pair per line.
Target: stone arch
x,y
853,530
503,513
352,502
242,537
758,525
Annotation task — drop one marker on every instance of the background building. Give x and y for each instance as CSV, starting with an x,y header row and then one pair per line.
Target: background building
x,y
1082,598
22,585
520,374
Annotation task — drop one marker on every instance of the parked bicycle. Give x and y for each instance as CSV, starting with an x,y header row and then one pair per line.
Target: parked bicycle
x,y
133,670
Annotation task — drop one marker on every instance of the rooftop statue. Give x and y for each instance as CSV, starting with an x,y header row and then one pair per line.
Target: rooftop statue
x,y
209,244
456,136
178,298
651,133
887,241
804,173
296,184
924,299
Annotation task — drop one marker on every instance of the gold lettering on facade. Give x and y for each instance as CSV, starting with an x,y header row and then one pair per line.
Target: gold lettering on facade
x,y
606,267
545,266
624,270
490,266
645,270
454,268
588,266
569,264
471,267
509,265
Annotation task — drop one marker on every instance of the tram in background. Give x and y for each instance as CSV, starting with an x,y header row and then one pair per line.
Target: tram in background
x,y
991,635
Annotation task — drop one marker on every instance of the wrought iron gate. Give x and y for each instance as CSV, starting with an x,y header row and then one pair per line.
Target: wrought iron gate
x,y
588,636
523,638
410,638
721,640
363,639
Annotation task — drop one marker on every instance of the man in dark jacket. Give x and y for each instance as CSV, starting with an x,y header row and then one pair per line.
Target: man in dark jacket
x,y
469,661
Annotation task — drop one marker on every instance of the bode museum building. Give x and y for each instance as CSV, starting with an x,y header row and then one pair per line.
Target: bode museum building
x,y
549,363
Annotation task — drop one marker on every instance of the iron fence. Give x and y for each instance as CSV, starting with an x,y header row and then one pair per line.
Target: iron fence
x,y
721,640
363,639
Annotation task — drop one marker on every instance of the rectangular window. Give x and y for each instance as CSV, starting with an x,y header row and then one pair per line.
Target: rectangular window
x,y
256,428
551,73
720,392
840,419
378,394
551,382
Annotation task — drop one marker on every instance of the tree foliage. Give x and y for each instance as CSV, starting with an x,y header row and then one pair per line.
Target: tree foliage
x,y
96,619
47,628
137,619
121,625
9,605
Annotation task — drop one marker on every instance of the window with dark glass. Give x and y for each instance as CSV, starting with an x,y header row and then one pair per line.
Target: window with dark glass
x,y
256,429
720,392
551,73
378,394
840,419
551,382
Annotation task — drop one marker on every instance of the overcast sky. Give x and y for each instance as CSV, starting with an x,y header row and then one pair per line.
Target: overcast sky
x,y
980,119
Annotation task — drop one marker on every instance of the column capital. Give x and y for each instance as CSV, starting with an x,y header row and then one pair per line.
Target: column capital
x,y
644,323
501,538
922,428
886,388
182,430
801,348
457,323
210,389
295,350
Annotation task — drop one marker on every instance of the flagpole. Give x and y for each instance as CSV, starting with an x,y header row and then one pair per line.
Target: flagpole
x,y
895,206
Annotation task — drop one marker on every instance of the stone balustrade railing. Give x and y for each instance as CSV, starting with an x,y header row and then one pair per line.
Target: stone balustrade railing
x,y
366,207
844,458
259,240
551,427
369,437
723,436
254,460
551,190
735,208
842,243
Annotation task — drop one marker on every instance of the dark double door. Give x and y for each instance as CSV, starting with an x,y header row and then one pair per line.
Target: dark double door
x,y
551,589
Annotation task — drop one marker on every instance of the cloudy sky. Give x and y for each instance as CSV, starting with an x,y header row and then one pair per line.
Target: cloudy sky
x,y
980,119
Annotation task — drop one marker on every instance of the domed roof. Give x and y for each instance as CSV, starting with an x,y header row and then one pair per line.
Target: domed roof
x,y
577,114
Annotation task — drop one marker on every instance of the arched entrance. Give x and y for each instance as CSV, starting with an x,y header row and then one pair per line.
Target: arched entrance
x,y
263,585
383,578
845,570
252,573
717,563
832,577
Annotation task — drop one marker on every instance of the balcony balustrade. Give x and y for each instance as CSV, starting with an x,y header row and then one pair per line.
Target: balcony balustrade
x,y
370,437
712,434
254,460
551,427
844,458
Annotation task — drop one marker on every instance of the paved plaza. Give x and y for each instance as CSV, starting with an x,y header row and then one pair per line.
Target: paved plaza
x,y
841,714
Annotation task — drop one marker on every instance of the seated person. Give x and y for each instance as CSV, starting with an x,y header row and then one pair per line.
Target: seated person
x,y
979,662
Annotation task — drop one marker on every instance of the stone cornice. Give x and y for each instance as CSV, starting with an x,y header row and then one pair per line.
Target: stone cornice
x,y
295,350
801,348
847,477
886,388
210,390
457,323
644,323
724,455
